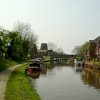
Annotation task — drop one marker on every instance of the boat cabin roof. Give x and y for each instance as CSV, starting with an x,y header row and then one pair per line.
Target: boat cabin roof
x,y
79,58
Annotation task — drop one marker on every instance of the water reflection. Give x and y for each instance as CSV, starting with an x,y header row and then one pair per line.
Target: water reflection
x,y
91,77
78,68
46,65
57,81
34,74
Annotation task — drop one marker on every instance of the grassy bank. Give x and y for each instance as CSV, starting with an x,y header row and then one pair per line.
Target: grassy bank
x,y
5,63
19,86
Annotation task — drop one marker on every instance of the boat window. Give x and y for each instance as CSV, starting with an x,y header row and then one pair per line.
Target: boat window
x,y
79,59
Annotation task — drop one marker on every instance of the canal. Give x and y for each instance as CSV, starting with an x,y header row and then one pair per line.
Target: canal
x,y
59,81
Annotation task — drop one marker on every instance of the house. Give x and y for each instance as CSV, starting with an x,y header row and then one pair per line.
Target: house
x,y
44,46
49,52
44,50
94,48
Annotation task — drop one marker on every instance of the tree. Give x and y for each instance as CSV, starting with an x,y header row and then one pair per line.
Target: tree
x,y
52,46
28,38
14,45
76,50
80,50
85,47
59,50
33,50
3,40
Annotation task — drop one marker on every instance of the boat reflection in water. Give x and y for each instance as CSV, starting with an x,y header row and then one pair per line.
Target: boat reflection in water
x,y
91,77
34,74
58,81
78,68
46,66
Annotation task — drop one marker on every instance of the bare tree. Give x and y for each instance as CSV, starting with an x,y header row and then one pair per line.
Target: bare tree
x,y
25,30
76,50
28,38
59,50
52,46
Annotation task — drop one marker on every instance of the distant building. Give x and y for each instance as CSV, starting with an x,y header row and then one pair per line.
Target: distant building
x,y
44,50
44,46
94,48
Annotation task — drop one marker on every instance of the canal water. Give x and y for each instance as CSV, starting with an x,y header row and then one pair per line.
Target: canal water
x,y
59,81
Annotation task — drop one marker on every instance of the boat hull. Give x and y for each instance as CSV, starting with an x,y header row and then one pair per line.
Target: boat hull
x,y
33,69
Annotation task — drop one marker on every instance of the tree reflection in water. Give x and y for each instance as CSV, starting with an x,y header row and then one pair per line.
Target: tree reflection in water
x,y
58,81
91,77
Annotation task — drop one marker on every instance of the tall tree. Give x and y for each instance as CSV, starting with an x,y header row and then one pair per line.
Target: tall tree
x,y
33,50
28,38
76,50
59,50
80,50
3,40
14,45
52,46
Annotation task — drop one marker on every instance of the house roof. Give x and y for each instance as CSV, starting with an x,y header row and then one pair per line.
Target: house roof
x,y
95,40
42,51
50,51
91,41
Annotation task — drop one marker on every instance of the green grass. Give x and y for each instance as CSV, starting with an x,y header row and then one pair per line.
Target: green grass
x,y
96,63
5,63
19,86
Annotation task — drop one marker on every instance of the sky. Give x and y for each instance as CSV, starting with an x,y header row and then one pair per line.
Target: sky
x,y
66,23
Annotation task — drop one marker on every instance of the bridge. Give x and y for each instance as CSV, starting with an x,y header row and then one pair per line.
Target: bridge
x,y
63,56
52,55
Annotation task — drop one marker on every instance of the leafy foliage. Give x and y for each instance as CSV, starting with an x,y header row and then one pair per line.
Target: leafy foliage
x,y
80,50
20,42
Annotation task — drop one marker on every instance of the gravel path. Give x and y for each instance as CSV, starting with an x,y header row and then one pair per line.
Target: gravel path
x,y
4,76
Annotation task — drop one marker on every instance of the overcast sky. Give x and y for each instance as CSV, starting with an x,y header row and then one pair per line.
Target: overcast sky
x,y
67,23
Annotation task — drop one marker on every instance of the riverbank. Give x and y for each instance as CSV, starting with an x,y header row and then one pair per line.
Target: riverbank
x,y
9,84
92,64
4,76
6,63
19,86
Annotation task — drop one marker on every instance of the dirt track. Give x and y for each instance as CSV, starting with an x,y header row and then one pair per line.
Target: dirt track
x,y
4,76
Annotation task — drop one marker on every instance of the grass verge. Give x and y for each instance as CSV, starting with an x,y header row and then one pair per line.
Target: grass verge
x,y
19,86
5,63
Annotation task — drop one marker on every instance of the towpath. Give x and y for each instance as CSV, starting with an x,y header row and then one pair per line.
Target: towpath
x,y
4,76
